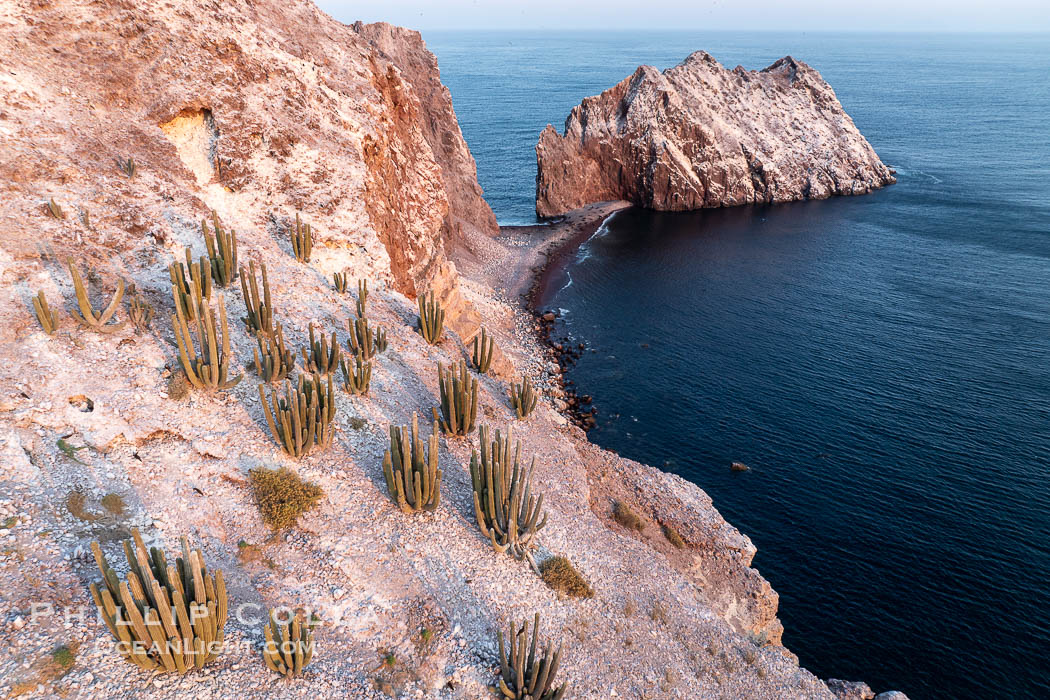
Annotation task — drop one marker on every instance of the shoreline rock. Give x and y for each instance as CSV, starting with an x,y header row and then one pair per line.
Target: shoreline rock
x,y
699,135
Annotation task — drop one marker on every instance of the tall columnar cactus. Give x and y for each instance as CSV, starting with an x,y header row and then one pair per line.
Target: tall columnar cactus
x,y
302,240
273,361
88,317
356,381
260,310
321,356
523,674
523,398
340,279
164,617
303,420
44,314
190,282
506,510
222,251
431,319
483,348
362,297
209,368
288,643
363,340
140,311
459,400
413,479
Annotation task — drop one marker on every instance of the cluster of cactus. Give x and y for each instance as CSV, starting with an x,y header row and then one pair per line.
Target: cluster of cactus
x,y
288,646
357,377
128,166
273,361
363,340
483,348
303,420
140,311
321,356
459,400
523,674
413,478
169,618
54,209
88,317
222,251
44,314
190,283
431,318
259,309
523,398
209,369
340,279
507,511
302,240
362,297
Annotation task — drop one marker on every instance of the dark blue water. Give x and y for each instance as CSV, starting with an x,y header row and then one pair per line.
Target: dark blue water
x,y
882,362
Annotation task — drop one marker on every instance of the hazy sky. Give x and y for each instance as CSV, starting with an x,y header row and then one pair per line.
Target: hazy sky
x,y
863,15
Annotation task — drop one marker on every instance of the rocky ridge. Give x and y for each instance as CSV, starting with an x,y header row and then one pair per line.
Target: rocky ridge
x,y
258,110
699,135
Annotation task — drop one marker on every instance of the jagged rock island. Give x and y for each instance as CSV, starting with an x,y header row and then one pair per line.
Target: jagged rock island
x,y
699,135
196,195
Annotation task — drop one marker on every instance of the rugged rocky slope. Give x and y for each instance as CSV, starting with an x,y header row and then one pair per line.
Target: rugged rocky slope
x,y
699,135
259,109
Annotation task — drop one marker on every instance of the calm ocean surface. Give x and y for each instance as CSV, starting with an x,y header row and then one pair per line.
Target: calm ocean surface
x,y
881,362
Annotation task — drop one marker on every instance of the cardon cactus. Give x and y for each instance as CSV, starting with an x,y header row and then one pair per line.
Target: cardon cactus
x,y
523,674
273,361
483,348
140,311
431,319
209,368
411,469
165,617
459,400
190,282
88,317
260,310
356,381
55,210
339,280
523,398
321,357
506,510
44,314
129,167
302,240
362,297
288,644
222,251
363,340
303,420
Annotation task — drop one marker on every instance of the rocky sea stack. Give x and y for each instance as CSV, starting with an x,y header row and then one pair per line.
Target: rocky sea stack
x,y
699,135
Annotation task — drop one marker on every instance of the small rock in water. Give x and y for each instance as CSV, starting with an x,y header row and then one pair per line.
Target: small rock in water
x,y
739,467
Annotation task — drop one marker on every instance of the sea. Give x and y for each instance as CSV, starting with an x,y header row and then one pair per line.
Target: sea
x,y
882,362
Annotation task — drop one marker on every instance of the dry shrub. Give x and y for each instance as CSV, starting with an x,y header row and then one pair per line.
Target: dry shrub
x,y
673,537
562,576
623,514
282,496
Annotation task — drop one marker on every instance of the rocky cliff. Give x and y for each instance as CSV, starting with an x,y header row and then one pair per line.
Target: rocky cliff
x,y
259,110
699,135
